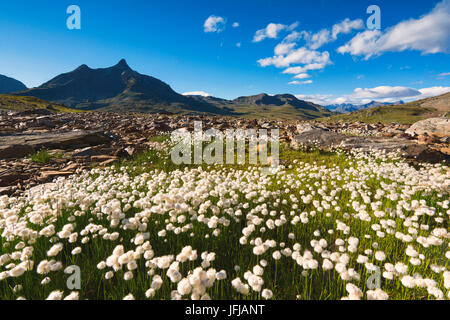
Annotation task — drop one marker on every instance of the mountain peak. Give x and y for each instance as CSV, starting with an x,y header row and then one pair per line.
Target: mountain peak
x,y
83,67
123,64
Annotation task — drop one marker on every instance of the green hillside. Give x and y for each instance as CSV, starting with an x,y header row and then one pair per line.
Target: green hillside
x,y
20,103
406,113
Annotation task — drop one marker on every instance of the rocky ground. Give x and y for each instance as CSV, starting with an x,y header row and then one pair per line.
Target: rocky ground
x,y
80,140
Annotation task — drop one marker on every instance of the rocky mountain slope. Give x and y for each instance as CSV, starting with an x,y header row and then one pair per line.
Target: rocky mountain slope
x,y
280,106
118,88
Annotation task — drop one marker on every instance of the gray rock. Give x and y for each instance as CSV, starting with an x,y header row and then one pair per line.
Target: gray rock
x,y
45,121
17,146
432,126
324,139
316,137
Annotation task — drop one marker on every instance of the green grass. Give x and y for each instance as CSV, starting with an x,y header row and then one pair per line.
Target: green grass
x,y
44,156
385,114
286,112
22,103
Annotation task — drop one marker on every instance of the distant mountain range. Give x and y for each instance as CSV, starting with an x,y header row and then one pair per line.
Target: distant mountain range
x,y
8,85
410,112
348,107
282,106
121,89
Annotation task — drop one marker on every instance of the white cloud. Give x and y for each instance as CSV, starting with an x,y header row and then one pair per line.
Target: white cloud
x,y
383,92
380,94
346,27
320,99
324,36
444,74
393,94
214,24
302,76
297,56
235,24
428,34
311,66
294,36
197,93
287,55
318,39
433,91
301,82
284,48
272,30
238,44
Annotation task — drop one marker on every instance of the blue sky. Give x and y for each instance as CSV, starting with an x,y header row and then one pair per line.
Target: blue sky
x,y
175,42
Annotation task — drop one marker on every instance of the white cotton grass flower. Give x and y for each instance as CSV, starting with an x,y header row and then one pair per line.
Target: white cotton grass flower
x,y
354,292
221,275
55,295
377,294
55,250
17,271
74,295
327,264
150,293
258,270
76,251
128,276
267,294
276,255
184,287
401,268
156,282
129,297
380,256
408,282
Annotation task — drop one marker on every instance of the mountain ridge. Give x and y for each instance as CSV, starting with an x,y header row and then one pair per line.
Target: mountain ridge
x,y
349,107
408,113
119,88
9,85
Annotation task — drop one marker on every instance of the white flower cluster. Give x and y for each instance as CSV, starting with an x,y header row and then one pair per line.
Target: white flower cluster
x,y
172,229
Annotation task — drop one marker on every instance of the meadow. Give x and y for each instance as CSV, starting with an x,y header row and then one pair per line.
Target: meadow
x,y
324,225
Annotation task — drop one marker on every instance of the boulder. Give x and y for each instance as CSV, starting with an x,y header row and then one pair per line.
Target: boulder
x,y
311,136
17,146
439,127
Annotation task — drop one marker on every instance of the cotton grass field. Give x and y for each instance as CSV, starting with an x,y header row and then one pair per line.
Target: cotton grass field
x,y
326,225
